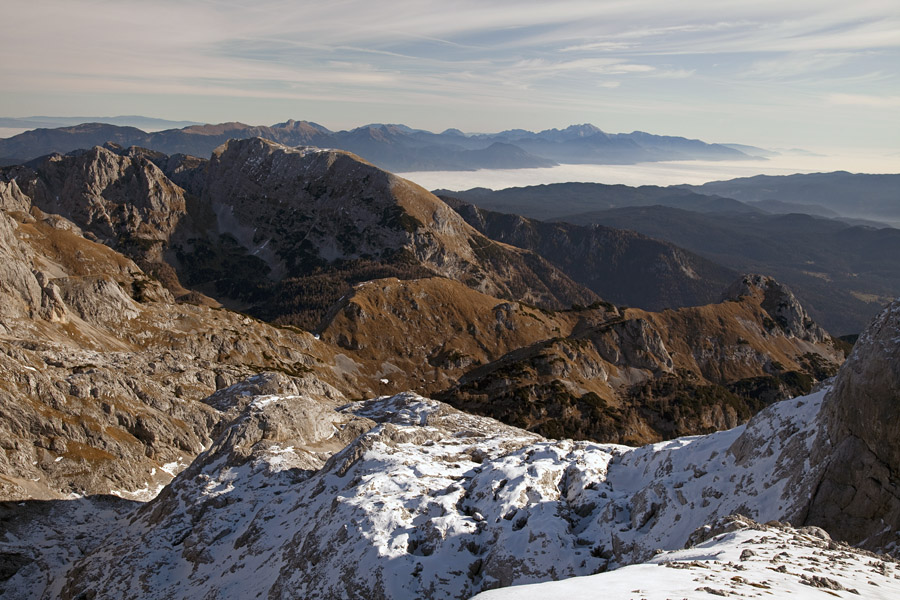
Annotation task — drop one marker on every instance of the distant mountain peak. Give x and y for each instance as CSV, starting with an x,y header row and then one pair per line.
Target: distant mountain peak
x,y
291,124
583,130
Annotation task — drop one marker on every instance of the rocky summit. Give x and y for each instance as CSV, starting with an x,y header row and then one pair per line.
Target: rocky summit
x,y
259,223
449,423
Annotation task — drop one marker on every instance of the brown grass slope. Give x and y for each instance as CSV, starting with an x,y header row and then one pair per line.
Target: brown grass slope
x,y
599,373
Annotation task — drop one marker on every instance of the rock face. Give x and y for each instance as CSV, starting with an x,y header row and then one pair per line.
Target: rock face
x,y
858,498
116,198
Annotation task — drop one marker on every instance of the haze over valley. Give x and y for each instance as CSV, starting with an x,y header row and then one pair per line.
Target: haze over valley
x,y
693,172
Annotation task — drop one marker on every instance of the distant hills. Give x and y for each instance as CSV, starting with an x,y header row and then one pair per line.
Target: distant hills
x,y
393,147
843,194
843,273
573,198
621,266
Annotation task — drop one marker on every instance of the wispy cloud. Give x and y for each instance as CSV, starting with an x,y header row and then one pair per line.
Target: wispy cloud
x,y
470,61
605,46
800,64
864,100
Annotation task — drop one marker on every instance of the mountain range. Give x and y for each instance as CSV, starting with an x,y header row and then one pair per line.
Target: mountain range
x,y
393,147
110,265
146,123
246,375
842,272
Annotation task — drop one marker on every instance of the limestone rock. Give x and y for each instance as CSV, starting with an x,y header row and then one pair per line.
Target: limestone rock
x,y
111,196
858,498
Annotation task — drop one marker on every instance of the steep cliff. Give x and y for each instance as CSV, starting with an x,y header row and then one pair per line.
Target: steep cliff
x,y
858,497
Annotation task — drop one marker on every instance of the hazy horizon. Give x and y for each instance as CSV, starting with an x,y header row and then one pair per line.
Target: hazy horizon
x,y
664,173
799,74
661,173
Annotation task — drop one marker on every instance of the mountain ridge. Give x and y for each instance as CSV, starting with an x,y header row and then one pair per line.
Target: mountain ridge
x,y
392,147
237,241
621,266
841,271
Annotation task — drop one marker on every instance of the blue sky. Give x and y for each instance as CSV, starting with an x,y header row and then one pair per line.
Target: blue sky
x,y
809,73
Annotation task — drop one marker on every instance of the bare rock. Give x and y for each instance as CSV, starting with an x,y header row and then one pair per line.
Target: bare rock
x,y
785,311
858,499
109,195
719,526
20,292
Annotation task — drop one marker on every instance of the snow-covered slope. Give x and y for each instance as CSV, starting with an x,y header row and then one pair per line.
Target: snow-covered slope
x,y
742,559
432,503
405,497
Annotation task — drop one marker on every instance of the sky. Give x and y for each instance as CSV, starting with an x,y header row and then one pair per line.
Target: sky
x,y
799,73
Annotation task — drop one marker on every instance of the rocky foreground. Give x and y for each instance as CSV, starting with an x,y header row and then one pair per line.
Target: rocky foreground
x,y
405,497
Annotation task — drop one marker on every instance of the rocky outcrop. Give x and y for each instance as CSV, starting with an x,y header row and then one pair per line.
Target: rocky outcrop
x,y
21,292
784,310
858,497
117,198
